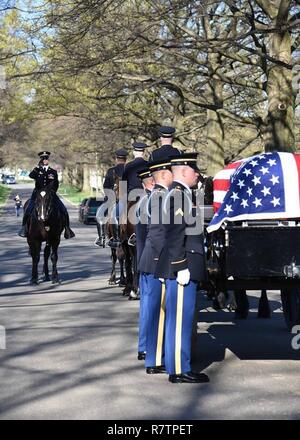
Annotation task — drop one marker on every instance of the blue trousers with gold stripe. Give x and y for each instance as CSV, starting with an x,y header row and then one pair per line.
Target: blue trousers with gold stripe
x,y
156,322
180,309
143,319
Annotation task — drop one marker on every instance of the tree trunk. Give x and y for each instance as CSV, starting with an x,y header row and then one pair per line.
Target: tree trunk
x,y
279,134
77,177
86,178
66,177
215,130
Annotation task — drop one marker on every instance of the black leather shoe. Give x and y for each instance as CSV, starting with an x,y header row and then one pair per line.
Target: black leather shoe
x,y
189,377
141,355
68,233
23,232
156,370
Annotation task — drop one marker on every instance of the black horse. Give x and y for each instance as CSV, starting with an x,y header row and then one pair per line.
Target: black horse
x,y
45,224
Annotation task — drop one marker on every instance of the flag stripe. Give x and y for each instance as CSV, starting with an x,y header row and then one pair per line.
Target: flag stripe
x,y
290,174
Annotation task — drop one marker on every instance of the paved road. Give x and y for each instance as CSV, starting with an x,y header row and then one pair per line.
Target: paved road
x,y
71,349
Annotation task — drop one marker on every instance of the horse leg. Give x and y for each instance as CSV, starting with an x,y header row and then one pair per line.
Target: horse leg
x,y
122,281
46,258
54,258
35,249
128,269
135,281
242,303
264,310
112,279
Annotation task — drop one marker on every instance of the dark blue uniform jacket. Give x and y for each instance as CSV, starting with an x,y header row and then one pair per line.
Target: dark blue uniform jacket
x,y
155,233
44,178
180,250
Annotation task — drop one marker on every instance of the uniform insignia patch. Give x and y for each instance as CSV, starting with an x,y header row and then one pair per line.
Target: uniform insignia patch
x,y
47,228
179,211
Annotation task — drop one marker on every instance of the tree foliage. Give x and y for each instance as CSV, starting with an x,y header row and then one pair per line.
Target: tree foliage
x,y
223,72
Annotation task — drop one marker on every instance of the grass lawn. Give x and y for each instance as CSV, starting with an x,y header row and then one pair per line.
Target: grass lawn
x,y
4,192
72,194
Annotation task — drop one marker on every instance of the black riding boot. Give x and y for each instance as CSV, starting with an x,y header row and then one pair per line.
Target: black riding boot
x,y
68,231
24,230
100,241
115,241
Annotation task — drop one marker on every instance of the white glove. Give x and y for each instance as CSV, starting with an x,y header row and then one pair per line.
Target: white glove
x,y
183,277
162,280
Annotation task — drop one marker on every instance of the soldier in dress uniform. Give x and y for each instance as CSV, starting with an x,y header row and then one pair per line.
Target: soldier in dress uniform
x,y
155,289
45,176
109,182
166,149
134,166
141,233
182,265
131,179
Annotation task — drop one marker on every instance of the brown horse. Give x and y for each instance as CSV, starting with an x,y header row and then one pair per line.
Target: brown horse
x,y
128,239
117,254
109,231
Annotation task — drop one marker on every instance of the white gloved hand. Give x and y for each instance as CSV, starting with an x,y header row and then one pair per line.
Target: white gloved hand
x,y
183,277
162,280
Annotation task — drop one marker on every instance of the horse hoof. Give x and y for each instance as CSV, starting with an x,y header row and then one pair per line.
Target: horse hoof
x,y
112,282
56,281
45,279
122,283
34,282
133,295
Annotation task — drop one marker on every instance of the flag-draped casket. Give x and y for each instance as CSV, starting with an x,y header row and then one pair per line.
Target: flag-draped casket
x,y
262,187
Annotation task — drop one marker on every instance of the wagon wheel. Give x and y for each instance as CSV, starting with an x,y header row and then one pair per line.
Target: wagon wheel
x,y
290,299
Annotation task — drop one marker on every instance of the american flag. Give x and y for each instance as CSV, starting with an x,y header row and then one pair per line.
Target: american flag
x,y
221,183
266,186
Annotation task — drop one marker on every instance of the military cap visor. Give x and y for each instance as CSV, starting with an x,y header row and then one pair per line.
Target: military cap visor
x,y
45,154
139,146
121,153
144,174
158,165
166,131
186,159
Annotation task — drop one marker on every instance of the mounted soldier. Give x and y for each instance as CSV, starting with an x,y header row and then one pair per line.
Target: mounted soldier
x,y
45,177
109,185
130,180
166,135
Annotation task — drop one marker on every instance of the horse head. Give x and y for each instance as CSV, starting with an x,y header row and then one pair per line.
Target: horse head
x,y
44,203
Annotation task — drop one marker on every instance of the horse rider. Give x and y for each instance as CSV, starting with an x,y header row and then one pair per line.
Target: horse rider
x,y
166,135
182,265
120,159
153,289
130,181
108,185
45,176
134,166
